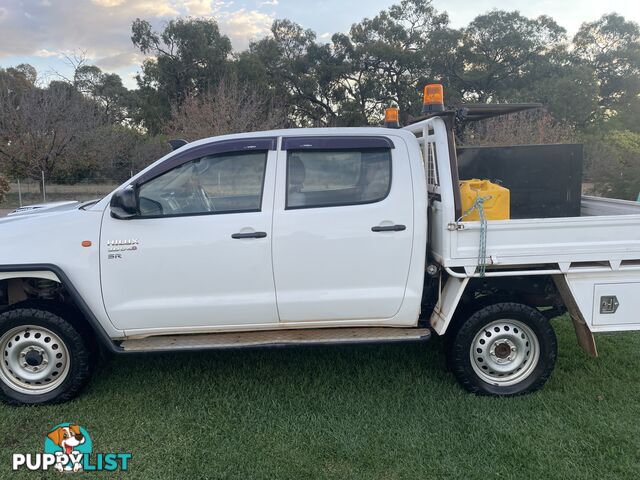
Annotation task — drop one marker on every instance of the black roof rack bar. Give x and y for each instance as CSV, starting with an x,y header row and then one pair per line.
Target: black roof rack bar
x,y
480,111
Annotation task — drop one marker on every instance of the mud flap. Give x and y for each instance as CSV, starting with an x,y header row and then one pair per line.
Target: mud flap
x,y
583,333
447,303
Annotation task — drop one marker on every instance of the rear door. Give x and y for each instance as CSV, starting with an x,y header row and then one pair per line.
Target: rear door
x,y
342,228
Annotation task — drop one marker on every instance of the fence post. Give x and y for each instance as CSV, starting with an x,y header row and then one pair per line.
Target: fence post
x,y
19,193
44,189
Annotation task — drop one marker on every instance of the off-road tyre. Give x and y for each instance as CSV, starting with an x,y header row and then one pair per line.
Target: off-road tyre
x,y
77,340
472,363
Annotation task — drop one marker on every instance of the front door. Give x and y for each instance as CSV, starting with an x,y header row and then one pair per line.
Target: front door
x,y
343,228
199,254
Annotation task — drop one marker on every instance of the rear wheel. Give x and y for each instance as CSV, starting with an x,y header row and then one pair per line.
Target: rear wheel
x,y
503,349
44,358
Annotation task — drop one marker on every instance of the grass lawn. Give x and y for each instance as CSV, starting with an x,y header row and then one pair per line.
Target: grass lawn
x,y
369,412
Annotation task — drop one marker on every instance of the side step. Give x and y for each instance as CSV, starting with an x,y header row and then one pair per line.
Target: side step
x,y
275,338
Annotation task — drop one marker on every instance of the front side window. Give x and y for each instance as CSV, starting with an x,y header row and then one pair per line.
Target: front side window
x,y
223,183
323,178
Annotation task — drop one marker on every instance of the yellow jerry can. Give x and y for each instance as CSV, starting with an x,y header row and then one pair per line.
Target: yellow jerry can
x,y
496,206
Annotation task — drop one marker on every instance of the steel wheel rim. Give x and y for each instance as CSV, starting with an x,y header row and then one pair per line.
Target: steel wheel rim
x,y
35,360
504,352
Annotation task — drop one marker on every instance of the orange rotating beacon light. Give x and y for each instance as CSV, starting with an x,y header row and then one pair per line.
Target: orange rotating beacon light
x,y
433,99
392,117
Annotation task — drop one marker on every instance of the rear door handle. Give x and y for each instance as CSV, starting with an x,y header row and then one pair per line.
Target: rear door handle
x,y
249,235
389,228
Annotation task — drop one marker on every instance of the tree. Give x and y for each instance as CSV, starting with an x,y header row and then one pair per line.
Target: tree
x,y
502,53
37,127
4,188
150,149
390,57
15,80
612,163
301,74
568,91
523,128
189,56
611,47
230,108
106,89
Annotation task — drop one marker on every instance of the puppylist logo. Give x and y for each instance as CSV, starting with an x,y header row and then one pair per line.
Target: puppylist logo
x,y
68,448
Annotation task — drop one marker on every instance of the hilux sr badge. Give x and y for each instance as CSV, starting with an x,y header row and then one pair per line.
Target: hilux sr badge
x,y
114,247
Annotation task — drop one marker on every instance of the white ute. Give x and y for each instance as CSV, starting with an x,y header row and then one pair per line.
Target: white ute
x,y
307,236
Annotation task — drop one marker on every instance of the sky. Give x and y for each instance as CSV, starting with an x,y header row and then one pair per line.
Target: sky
x,y
45,32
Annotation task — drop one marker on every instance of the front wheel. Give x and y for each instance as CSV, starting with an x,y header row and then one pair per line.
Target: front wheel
x,y
503,349
44,358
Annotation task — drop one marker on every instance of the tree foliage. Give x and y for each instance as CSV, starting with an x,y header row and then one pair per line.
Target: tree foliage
x,y
230,108
523,128
389,58
38,127
192,84
106,89
611,47
502,53
501,56
189,56
613,163
4,187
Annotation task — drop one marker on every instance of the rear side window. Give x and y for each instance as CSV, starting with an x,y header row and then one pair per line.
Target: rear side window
x,y
329,178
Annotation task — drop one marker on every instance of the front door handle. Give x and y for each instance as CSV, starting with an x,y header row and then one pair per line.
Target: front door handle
x,y
389,228
249,235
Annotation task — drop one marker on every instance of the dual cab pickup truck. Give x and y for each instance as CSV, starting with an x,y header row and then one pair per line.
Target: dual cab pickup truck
x,y
307,236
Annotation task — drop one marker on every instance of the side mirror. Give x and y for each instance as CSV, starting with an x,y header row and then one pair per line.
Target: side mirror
x,y
124,204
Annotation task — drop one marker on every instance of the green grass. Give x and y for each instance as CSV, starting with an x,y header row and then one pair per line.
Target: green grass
x,y
369,412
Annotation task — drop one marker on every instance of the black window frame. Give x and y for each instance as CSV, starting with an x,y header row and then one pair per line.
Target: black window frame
x,y
336,143
215,149
295,145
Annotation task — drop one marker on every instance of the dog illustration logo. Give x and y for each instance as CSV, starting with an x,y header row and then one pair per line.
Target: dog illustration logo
x,y
68,448
69,443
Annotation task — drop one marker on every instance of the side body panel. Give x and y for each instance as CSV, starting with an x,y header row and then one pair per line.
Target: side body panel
x,y
328,263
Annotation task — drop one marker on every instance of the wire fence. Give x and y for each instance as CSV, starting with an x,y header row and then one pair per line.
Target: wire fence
x,y
28,192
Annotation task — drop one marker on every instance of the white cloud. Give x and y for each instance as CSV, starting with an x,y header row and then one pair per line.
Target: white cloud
x,y
269,2
242,26
119,60
147,8
199,8
44,53
4,13
108,3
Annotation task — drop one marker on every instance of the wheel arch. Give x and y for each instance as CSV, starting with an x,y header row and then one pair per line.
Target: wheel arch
x,y
44,274
534,290
55,273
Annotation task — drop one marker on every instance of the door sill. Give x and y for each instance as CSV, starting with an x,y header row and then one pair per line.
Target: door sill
x,y
275,338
